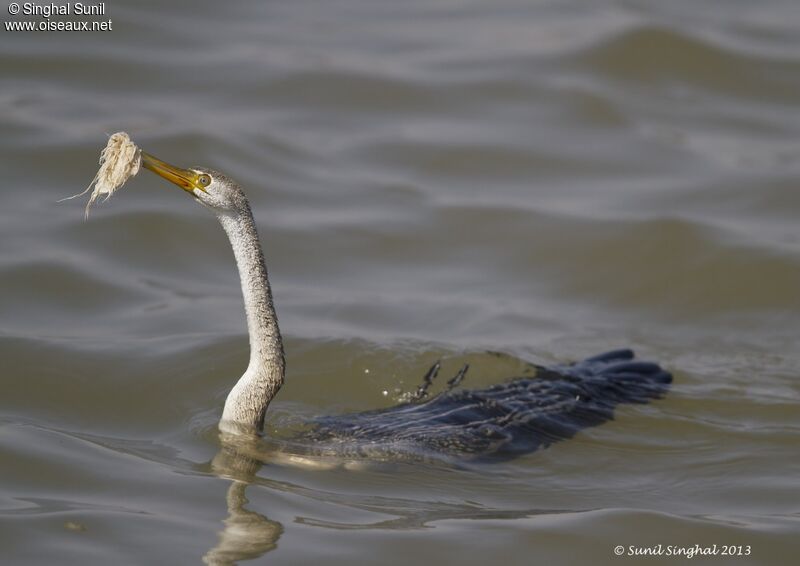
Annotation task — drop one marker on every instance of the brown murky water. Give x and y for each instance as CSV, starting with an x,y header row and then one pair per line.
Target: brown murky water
x,y
431,180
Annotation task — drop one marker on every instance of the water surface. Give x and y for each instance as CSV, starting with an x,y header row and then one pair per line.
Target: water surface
x,y
431,180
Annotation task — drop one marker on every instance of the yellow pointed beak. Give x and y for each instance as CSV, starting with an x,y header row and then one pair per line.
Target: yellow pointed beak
x,y
186,179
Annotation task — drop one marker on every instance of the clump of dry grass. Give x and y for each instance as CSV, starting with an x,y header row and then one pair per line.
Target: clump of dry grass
x,y
119,161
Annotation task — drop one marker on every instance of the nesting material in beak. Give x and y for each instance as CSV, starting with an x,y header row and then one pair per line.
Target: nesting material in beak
x,y
119,161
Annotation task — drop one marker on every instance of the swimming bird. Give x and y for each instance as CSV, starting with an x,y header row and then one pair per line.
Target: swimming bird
x,y
507,419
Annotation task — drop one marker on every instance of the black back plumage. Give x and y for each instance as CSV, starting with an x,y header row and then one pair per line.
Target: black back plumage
x,y
504,420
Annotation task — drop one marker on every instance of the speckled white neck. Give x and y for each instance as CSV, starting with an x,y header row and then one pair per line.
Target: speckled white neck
x,y
248,400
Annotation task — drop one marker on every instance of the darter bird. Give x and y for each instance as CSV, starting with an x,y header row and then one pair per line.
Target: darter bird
x,y
504,420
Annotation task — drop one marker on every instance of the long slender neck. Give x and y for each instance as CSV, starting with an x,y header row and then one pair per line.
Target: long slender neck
x,y
248,400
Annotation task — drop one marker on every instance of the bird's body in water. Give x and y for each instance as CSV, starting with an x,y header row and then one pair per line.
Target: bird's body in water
x,y
504,420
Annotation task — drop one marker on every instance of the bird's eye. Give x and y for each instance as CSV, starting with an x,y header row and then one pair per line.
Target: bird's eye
x,y
204,180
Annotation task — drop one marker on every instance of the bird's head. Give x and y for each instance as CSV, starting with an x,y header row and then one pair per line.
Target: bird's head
x,y
216,191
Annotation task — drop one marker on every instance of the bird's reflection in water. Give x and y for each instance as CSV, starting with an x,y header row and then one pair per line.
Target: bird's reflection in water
x,y
246,534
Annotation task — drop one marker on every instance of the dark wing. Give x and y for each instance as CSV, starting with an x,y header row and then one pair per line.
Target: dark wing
x,y
503,420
